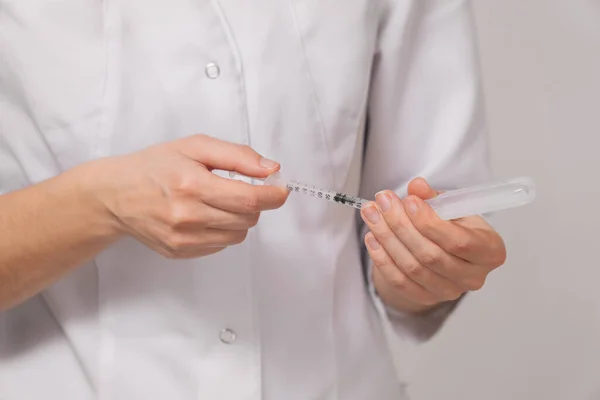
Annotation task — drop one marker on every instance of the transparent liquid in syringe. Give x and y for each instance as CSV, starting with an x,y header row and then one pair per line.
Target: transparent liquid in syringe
x,y
340,198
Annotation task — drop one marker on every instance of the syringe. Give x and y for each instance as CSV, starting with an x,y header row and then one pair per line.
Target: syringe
x,y
454,204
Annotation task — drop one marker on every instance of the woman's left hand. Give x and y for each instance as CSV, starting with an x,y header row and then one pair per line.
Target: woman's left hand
x,y
420,260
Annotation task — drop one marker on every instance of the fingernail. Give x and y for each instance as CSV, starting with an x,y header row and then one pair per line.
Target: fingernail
x,y
269,164
411,205
373,243
371,214
384,201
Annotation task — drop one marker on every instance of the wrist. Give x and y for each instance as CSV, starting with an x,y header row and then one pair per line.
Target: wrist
x,y
90,183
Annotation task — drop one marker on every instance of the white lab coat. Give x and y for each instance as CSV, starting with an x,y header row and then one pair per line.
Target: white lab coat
x,y
287,314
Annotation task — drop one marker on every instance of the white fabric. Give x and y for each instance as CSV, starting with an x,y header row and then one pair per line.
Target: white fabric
x,y
297,80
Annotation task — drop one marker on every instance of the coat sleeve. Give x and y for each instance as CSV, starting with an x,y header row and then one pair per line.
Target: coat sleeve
x,y
11,173
425,115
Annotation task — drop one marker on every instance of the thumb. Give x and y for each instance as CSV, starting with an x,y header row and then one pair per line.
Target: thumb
x,y
214,153
420,188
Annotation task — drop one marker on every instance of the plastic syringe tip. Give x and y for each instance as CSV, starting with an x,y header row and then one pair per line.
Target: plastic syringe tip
x,y
275,179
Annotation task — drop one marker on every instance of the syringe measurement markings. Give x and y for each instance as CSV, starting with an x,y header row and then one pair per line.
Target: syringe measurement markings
x,y
497,196
339,198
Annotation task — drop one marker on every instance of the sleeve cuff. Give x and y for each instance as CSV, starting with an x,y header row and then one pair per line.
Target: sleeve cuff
x,y
417,328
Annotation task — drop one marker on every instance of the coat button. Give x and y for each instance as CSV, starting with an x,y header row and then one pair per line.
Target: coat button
x,y
212,71
227,336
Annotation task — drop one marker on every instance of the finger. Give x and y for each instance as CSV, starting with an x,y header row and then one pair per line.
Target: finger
x,y
192,215
164,250
423,252
395,277
420,188
221,238
407,261
192,241
241,197
481,246
198,252
219,154
426,251
456,241
225,220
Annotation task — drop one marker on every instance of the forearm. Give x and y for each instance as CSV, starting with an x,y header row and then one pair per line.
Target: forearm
x,y
47,230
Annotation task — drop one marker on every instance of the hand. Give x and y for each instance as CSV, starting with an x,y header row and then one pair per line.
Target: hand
x,y
420,260
167,197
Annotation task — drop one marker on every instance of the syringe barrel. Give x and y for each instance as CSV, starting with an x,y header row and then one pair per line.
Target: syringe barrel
x,y
454,204
484,199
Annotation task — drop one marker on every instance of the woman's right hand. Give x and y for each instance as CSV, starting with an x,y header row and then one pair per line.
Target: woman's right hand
x,y
167,197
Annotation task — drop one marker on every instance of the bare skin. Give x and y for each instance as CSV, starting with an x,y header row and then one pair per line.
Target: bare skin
x,y
165,196
421,261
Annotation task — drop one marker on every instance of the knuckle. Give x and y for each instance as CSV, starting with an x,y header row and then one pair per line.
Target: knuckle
x,y
281,198
253,220
185,184
415,270
496,256
175,243
379,260
474,284
428,225
243,152
251,203
396,224
246,149
238,237
501,256
431,301
456,295
178,216
431,258
400,282
451,294
385,235
460,246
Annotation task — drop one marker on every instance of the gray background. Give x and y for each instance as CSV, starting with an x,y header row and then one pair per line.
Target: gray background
x,y
534,331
